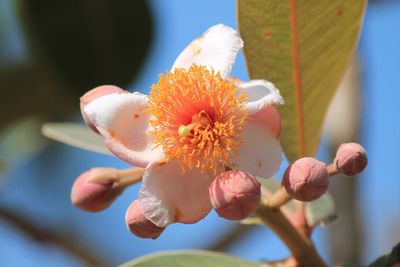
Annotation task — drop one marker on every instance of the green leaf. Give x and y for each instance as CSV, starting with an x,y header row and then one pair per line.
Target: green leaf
x,y
303,47
321,211
19,140
75,134
194,258
103,42
389,260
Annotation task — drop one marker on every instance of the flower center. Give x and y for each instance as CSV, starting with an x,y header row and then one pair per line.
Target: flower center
x,y
198,118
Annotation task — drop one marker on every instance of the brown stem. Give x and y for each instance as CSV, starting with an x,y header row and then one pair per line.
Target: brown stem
x,y
125,178
129,177
298,243
278,199
332,170
302,224
64,241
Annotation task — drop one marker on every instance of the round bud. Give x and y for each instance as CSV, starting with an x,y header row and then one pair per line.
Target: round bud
x,y
235,195
138,224
306,179
96,189
92,95
351,159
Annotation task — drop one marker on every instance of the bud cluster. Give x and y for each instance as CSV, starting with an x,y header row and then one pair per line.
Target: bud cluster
x,y
307,179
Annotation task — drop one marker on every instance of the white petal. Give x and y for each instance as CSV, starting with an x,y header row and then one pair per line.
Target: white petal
x,y
122,120
260,154
216,48
168,195
260,94
270,119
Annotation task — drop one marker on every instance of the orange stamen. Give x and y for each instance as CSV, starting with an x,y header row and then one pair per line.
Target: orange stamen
x,y
198,118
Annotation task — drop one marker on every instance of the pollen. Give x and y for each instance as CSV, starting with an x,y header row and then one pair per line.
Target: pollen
x,y
197,118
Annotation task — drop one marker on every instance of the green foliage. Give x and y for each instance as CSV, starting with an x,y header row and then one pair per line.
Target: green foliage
x,y
71,47
303,47
89,43
388,260
19,140
391,259
75,134
321,211
190,258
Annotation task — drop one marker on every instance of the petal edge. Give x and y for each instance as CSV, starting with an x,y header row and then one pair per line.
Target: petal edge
x,y
216,48
121,119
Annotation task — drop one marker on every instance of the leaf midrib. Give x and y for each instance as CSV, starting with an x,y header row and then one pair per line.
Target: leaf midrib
x,y
296,76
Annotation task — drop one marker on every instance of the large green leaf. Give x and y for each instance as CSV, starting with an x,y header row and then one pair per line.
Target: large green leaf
x,y
303,46
190,258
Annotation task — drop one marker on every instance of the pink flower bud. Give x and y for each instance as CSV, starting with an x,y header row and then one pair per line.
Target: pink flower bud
x,y
306,179
96,189
235,195
92,95
138,224
351,159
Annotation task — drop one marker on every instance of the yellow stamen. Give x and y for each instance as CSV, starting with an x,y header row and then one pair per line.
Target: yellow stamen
x,y
198,118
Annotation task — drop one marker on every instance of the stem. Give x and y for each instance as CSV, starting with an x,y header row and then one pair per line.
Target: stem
x,y
64,240
278,199
281,197
124,178
332,170
298,243
129,177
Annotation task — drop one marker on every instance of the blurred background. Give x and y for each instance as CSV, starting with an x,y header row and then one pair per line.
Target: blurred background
x,y
51,52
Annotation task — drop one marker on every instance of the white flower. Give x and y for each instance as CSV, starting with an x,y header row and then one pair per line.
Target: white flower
x,y
195,123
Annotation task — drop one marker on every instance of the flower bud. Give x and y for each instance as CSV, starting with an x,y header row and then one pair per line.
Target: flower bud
x,y
351,159
92,95
138,224
235,195
306,179
96,189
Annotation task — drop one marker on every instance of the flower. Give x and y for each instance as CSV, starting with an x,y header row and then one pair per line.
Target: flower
x,y
195,123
